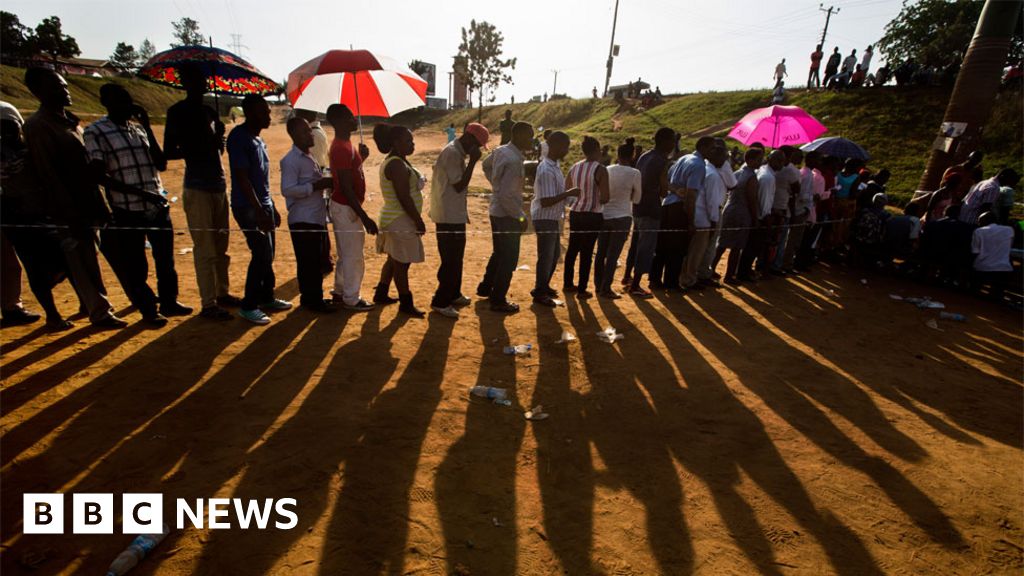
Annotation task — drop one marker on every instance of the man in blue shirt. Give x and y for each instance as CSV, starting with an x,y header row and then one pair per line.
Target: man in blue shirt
x,y
253,208
686,180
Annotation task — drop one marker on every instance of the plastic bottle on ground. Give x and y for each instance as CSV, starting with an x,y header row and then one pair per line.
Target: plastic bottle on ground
x,y
136,551
489,392
952,316
520,350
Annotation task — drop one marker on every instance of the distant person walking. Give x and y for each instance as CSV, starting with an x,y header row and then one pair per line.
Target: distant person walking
x,y
450,133
780,72
547,210
194,132
302,185
832,66
504,170
72,199
449,183
813,79
506,128
350,221
865,60
401,224
585,218
254,210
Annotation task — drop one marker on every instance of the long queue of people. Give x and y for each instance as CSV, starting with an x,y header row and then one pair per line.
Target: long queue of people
x,y
777,213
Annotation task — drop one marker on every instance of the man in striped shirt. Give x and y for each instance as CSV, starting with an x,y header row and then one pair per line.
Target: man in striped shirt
x,y
547,211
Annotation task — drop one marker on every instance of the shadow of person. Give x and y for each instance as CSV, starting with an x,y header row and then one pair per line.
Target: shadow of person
x,y
476,481
628,436
370,522
716,436
305,456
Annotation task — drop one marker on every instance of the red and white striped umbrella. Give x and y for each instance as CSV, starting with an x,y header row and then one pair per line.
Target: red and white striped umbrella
x,y
366,82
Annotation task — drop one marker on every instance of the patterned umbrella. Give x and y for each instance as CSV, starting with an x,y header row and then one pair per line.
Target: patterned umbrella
x,y
366,82
226,73
776,126
838,147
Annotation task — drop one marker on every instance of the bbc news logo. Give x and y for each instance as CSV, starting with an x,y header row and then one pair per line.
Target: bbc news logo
x,y
144,513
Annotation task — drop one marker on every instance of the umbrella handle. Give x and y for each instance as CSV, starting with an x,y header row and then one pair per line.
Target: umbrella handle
x,y
216,97
359,116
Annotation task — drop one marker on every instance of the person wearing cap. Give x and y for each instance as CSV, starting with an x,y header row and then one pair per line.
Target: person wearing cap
x,y
448,210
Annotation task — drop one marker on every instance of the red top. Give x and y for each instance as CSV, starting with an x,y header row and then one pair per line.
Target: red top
x,y
345,157
816,59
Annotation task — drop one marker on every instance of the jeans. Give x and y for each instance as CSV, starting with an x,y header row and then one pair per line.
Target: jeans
x,y
259,278
672,244
584,228
780,247
308,242
451,245
609,247
505,236
125,250
645,241
548,250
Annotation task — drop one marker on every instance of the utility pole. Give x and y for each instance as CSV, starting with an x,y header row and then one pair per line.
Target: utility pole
x,y
236,44
611,49
554,89
977,84
828,16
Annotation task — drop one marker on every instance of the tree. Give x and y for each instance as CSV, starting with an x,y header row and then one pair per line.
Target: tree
x,y
483,67
186,33
51,40
146,51
15,40
125,58
936,33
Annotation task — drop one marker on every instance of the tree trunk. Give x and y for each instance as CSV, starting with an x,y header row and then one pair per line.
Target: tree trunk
x,y
976,86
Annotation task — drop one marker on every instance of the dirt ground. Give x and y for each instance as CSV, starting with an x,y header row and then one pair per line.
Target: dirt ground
x,y
809,426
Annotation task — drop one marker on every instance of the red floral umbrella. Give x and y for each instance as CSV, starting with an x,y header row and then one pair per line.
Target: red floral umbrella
x,y
226,73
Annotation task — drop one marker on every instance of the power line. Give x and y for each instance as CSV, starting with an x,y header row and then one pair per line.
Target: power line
x,y
828,16
236,44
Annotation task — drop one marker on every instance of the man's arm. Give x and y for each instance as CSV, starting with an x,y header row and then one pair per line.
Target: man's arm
x,y
155,153
509,201
467,174
172,136
291,184
98,171
601,179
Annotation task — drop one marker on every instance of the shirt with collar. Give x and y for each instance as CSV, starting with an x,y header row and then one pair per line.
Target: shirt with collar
x,y
448,205
549,183
992,245
984,192
765,190
299,171
124,152
504,170
784,179
688,172
710,198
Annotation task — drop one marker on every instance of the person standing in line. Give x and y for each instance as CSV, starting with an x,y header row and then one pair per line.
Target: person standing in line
x,y
990,245
194,132
653,166
624,191
544,146
740,215
253,209
585,219
302,185
127,159
449,182
708,266
707,211
787,187
757,241
350,221
686,180
320,151
506,128
401,225
832,66
813,79
802,213
72,199
547,209
780,72
504,170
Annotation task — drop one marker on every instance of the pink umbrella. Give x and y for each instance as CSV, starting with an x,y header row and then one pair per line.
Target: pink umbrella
x,y
360,79
776,126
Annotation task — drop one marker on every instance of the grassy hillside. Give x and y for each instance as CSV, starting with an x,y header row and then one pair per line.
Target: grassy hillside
x,y
896,125
85,93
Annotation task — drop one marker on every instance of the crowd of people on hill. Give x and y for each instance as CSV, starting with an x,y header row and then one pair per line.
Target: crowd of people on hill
x,y
776,213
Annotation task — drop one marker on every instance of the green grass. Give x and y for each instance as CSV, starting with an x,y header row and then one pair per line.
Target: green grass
x,y
896,125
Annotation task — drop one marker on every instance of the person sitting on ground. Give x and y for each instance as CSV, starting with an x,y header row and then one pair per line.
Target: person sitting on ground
x,y
901,235
857,79
970,172
401,225
942,198
991,244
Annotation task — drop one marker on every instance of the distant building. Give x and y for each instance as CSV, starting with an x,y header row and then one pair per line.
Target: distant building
x,y
459,91
88,67
631,90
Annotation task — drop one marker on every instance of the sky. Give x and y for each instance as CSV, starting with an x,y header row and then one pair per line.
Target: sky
x,y
680,46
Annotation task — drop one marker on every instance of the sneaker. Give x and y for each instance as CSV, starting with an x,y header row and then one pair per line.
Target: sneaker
x,y
461,302
276,305
229,301
545,300
175,309
215,313
110,323
155,319
505,307
360,306
447,311
255,316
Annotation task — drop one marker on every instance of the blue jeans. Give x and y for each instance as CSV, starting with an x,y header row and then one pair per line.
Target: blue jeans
x,y
613,237
259,278
646,241
505,235
548,248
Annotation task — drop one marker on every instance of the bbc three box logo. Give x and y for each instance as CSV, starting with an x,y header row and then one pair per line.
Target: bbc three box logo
x,y
144,513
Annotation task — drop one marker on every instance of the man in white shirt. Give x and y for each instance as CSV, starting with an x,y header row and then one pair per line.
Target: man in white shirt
x,y
707,211
504,170
624,190
547,210
302,185
865,61
780,72
991,245
320,151
984,194
448,210
787,187
802,209
757,243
